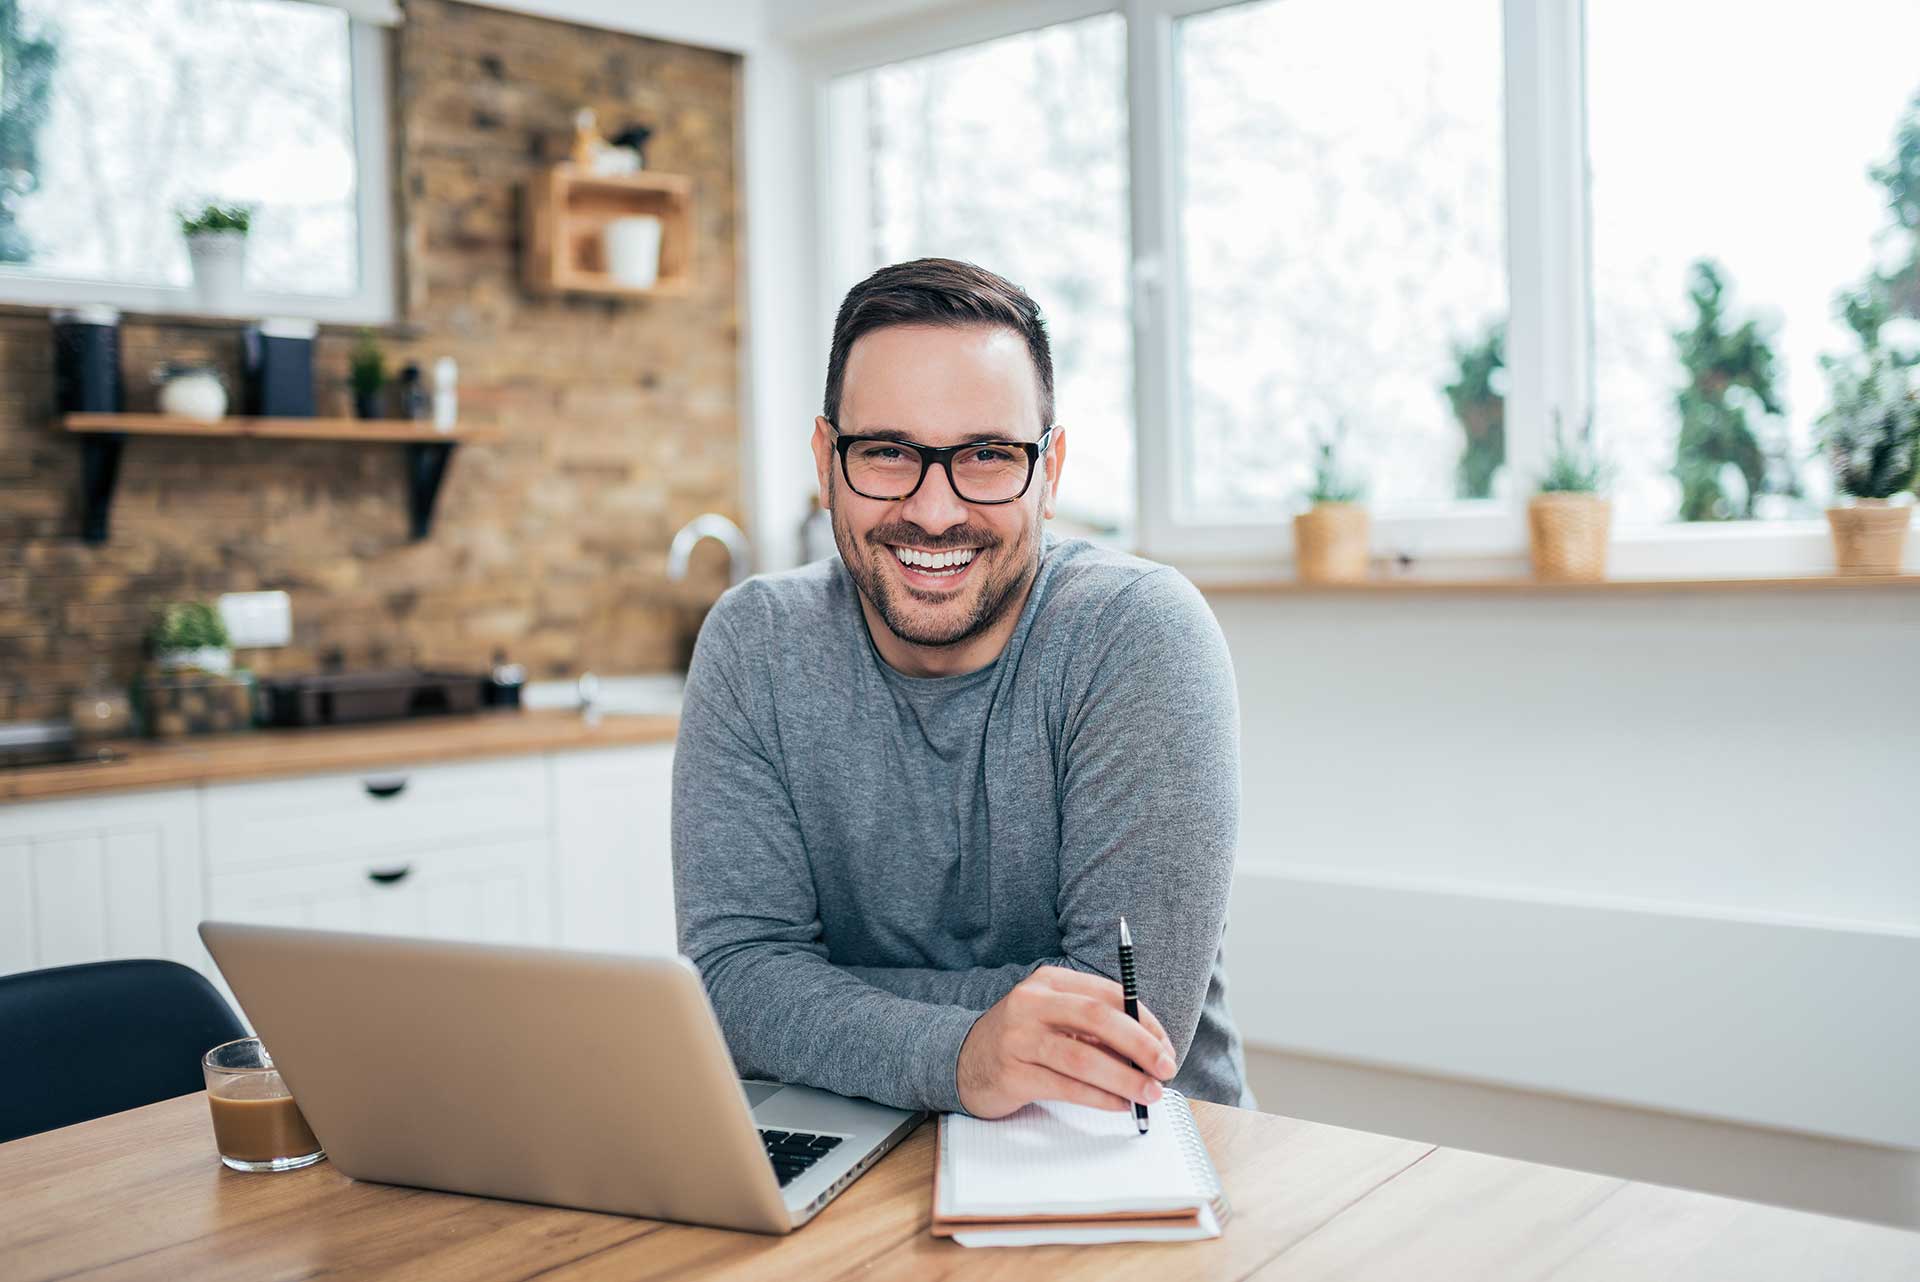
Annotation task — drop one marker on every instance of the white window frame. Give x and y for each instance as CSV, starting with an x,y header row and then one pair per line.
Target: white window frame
x,y
371,304
1549,343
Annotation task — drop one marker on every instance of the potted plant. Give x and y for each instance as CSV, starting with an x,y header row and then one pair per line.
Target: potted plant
x,y
1872,441
1330,538
217,246
1567,518
190,634
368,375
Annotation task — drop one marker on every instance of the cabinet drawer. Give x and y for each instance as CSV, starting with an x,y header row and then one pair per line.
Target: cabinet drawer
x,y
495,893
315,818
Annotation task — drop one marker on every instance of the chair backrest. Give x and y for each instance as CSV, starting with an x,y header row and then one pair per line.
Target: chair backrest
x,y
79,1042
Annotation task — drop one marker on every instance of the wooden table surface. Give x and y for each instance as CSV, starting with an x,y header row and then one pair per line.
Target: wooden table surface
x,y
141,1194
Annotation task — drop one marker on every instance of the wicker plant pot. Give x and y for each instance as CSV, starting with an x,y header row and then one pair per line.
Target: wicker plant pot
x,y
1870,537
1330,543
1567,534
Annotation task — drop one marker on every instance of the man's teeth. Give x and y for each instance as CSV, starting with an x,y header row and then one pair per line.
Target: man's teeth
x,y
949,562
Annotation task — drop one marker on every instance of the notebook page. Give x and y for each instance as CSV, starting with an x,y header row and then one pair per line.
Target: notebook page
x,y
1054,1158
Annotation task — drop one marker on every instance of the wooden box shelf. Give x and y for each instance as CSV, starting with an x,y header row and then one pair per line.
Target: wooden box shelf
x,y
567,214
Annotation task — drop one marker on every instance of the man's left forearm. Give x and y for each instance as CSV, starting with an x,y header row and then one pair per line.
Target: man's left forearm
x,y
975,988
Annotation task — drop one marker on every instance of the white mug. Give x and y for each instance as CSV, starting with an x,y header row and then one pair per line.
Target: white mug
x,y
633,250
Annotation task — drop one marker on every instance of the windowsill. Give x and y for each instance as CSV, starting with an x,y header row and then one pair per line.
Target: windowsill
x,y
213,320
1491,549
1517,586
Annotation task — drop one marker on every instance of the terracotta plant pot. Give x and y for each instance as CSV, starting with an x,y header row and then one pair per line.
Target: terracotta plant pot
x,y
1869,537
1567,535
1330,543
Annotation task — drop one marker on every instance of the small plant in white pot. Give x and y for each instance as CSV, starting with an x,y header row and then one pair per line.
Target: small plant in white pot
x,y
1330,538
1568,519
217,246
1871,437
190,634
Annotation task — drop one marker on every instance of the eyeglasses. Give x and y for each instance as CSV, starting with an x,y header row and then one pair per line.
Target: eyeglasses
x,y
880,467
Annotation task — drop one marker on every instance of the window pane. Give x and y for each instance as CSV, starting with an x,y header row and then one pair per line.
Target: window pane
x,y
1013,155
1345,248
1742,136
120,114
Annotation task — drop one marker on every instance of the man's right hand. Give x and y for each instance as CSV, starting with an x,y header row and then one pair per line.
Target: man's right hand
x,y
1062,1035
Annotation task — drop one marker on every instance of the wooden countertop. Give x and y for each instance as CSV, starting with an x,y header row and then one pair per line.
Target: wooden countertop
x,y
141,1194
263,754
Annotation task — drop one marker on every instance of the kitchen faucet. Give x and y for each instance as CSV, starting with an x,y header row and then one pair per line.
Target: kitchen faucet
x,y
710,525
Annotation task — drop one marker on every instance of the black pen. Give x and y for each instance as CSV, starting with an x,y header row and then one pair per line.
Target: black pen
x,y
1130,994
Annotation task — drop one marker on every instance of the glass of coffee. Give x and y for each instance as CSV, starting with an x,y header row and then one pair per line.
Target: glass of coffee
x,y
256,1124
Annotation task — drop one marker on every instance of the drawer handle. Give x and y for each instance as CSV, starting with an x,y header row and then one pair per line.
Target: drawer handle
x,y
388,876
386,786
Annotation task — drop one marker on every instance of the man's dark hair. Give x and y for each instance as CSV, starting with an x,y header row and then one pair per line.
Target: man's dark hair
x,y
938,291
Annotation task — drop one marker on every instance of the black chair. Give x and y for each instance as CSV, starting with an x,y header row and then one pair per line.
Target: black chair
x,y
79,1042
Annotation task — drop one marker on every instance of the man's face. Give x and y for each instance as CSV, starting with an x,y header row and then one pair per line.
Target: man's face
x,y
939,386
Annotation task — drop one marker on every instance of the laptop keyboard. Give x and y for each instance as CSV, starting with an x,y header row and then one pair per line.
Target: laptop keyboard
x,y
792,1152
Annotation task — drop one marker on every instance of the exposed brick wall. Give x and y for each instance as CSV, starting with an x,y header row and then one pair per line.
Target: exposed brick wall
x,y
621,419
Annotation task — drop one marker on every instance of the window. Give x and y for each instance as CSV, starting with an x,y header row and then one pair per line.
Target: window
x,y
1343,235
120,116
1013,154
1431,228
1703,163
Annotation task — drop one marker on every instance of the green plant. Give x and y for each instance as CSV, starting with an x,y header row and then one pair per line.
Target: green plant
x,y
213,217
1479,401
1729,373
1332,483
1573,467
27,63
187,625
1871,435
368,371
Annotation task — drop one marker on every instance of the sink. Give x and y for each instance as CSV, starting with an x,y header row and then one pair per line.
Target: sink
x,y
650,694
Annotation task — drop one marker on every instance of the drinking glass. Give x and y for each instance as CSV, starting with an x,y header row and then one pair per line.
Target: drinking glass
x,y
256,1124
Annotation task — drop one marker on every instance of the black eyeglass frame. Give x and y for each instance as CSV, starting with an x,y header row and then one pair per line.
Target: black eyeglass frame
x,y
943,455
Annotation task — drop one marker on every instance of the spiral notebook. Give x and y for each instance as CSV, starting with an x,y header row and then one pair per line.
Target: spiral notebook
x,y
1056,1172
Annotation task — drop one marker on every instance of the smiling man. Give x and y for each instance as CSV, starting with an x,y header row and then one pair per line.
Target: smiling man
x,y
919,783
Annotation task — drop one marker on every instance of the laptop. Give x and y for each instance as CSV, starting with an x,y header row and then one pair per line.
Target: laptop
x,y
574,1079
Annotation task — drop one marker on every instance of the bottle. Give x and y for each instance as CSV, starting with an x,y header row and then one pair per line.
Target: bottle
x,y
414,401
446,400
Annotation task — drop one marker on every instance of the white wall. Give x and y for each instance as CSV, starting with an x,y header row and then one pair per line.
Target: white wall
x,y
1656,849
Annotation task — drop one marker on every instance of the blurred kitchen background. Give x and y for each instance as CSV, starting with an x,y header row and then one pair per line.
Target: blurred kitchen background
x,y
387,389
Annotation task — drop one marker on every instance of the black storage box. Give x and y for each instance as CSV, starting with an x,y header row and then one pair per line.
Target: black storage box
x,y
86,361
338,698
279,365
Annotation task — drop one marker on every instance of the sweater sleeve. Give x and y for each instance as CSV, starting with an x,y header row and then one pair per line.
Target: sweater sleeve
x,y
748,919
1150,796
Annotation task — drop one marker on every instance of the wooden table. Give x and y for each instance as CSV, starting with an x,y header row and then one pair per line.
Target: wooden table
x,y
141,1195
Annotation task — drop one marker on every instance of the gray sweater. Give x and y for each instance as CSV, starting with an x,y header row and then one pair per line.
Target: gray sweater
x,y
865,861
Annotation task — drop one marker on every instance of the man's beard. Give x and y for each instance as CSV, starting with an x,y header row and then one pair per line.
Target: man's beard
x,y
991,599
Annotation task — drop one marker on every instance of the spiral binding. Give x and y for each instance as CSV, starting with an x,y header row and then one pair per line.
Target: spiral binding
x,y
1194,1149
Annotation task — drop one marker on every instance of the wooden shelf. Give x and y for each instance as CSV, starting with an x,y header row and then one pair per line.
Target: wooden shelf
x,y
103,437
1537,587
287,429
567,214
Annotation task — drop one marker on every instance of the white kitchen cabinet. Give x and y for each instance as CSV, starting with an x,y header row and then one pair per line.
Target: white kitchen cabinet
x,y
450,851
353,815
100,877
567,847
613,848
492,893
